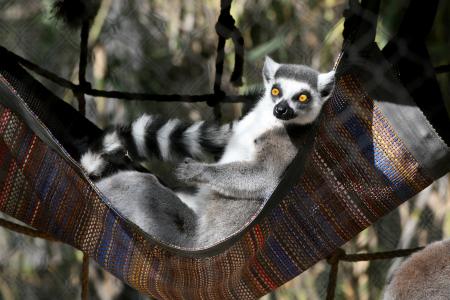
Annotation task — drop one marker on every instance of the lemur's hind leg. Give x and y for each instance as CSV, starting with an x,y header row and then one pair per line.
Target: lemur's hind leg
x,y
156,209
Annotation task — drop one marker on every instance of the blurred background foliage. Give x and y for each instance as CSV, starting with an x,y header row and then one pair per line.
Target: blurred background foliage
x,y
168,46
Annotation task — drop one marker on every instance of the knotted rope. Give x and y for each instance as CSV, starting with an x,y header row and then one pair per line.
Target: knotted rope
x,y
226,29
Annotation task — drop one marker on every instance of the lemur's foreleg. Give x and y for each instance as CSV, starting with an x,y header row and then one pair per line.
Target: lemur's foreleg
x,y
247,180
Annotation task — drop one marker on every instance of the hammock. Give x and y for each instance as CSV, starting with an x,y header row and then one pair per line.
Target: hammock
x,y
364,158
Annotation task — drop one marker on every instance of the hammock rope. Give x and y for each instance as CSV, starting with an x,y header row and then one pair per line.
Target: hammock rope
x,y
25,230
226,29
85,277
111,94
83,83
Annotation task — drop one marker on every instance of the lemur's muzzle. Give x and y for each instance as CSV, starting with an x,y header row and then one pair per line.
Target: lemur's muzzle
x,y
283,111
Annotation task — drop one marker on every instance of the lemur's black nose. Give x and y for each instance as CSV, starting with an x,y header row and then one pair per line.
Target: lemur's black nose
x,y
280,110
283,111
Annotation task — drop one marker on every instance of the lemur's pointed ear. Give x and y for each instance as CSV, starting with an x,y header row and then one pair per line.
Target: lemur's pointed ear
x,y
325,84
270,67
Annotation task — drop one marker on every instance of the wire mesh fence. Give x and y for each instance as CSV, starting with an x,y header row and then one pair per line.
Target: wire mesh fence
x,y
156,48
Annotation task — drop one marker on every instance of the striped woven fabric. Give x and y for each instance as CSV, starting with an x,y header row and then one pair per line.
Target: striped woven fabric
x,y
358,170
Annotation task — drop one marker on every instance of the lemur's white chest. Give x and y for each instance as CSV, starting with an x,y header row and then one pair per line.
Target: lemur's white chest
x,y
241,146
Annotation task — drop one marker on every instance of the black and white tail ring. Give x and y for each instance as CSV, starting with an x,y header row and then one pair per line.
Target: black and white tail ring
x,y
152,136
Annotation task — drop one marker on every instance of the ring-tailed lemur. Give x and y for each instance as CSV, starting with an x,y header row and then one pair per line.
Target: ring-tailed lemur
x,y
256,152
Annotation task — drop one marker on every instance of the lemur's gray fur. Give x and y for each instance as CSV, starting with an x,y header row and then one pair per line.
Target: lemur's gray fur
x,y
257,151
153,207
425,275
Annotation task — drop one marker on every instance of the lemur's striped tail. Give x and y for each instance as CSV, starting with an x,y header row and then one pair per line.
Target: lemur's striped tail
x,y
153,136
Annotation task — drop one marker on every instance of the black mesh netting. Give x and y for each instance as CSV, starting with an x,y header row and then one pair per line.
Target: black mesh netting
x,y
169,47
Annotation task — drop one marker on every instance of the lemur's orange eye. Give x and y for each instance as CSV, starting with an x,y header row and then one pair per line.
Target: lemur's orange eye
x,y
275,92
303,98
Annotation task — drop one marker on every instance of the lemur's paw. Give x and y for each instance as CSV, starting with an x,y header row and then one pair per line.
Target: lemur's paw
x,y
190,171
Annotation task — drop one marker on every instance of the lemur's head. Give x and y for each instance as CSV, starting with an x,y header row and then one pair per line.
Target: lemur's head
x,y
297,91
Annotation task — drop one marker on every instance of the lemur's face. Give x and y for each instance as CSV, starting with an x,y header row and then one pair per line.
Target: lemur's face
x,y
297,92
